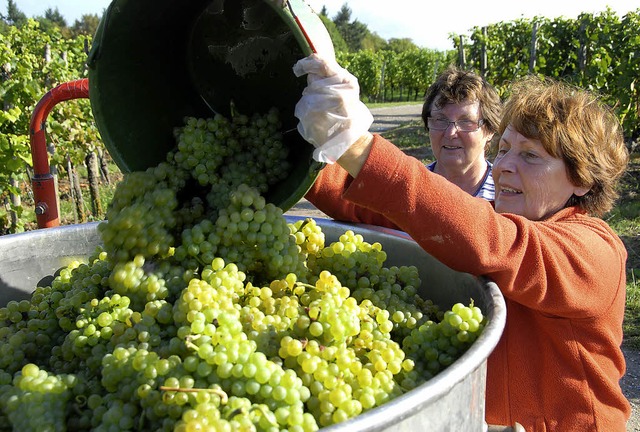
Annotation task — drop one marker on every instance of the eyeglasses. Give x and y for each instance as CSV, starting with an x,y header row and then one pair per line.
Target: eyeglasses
x,y
438,124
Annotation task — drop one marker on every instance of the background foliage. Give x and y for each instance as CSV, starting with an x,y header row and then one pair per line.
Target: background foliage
x,y
598,51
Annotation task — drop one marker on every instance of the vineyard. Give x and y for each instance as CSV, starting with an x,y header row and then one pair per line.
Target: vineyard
x,y
597,51
32,62
600,52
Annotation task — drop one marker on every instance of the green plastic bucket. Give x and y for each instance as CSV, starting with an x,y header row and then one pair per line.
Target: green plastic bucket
x,y
153,62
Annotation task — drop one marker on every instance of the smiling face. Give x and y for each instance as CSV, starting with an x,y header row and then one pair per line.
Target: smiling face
x,y
529,181
456,150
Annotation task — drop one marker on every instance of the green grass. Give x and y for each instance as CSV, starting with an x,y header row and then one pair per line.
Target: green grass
x,y
631,325
373,105
67,206
625,220
410,136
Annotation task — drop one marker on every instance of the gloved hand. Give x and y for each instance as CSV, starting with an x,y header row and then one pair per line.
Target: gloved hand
x,y
331,115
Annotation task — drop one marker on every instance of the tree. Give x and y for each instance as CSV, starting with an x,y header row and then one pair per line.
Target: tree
x,y
338,42
342,21
343,17
400,45
55,17
353,32
14,16
374,42
52,20
356,34
86,25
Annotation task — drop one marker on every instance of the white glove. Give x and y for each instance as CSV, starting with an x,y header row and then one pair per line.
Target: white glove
x,y
331,115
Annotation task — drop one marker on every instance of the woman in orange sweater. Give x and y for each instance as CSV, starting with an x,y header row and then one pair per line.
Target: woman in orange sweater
x,y
560,267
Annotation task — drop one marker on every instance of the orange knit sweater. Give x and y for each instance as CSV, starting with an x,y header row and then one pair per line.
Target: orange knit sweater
x,y
558,364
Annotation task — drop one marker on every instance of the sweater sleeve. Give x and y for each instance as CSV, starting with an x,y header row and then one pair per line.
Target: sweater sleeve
x,y
326,195
569,265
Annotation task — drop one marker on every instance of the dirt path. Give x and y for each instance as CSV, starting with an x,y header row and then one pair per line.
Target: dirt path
x,y
630,384
388,118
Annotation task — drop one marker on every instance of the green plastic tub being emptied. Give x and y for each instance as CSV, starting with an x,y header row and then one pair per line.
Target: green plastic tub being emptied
x,y
153,62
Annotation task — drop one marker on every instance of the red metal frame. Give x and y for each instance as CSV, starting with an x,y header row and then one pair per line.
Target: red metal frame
x,y
44,192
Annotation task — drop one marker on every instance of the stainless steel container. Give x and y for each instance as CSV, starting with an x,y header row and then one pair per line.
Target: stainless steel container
x,y
454,400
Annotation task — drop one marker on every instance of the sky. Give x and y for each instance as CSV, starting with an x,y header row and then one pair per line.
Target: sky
x,y
427,23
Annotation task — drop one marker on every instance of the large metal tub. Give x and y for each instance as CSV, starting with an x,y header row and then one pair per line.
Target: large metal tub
x,y
453,400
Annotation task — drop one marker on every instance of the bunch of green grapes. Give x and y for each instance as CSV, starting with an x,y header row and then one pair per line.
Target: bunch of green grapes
x,y
203,145
223,154
350,258
212,158
309,236
212,327
342,350
139,282
141,218
47,317
17,335
260,158
360,265
250,232
36,400
99,321
434,345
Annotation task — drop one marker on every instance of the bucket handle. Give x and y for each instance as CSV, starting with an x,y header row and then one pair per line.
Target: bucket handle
x,y
300,26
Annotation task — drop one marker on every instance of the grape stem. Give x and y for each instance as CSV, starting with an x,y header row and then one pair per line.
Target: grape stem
x,y
190,344
262,408
223,396
304,222
81,401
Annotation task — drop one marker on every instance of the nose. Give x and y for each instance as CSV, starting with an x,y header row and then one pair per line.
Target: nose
x,y
504,162
452,127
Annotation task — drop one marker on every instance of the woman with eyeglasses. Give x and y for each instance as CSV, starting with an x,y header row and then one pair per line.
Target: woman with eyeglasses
x,y
560,267
461,113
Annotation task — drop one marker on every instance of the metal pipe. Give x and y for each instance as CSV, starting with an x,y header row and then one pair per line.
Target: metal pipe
x,y
44,193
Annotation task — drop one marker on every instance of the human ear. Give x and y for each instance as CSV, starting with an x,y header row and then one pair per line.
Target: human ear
x,y
580,190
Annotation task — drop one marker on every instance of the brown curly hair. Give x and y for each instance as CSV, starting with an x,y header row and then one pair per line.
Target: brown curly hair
x,y
455,85
575,125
